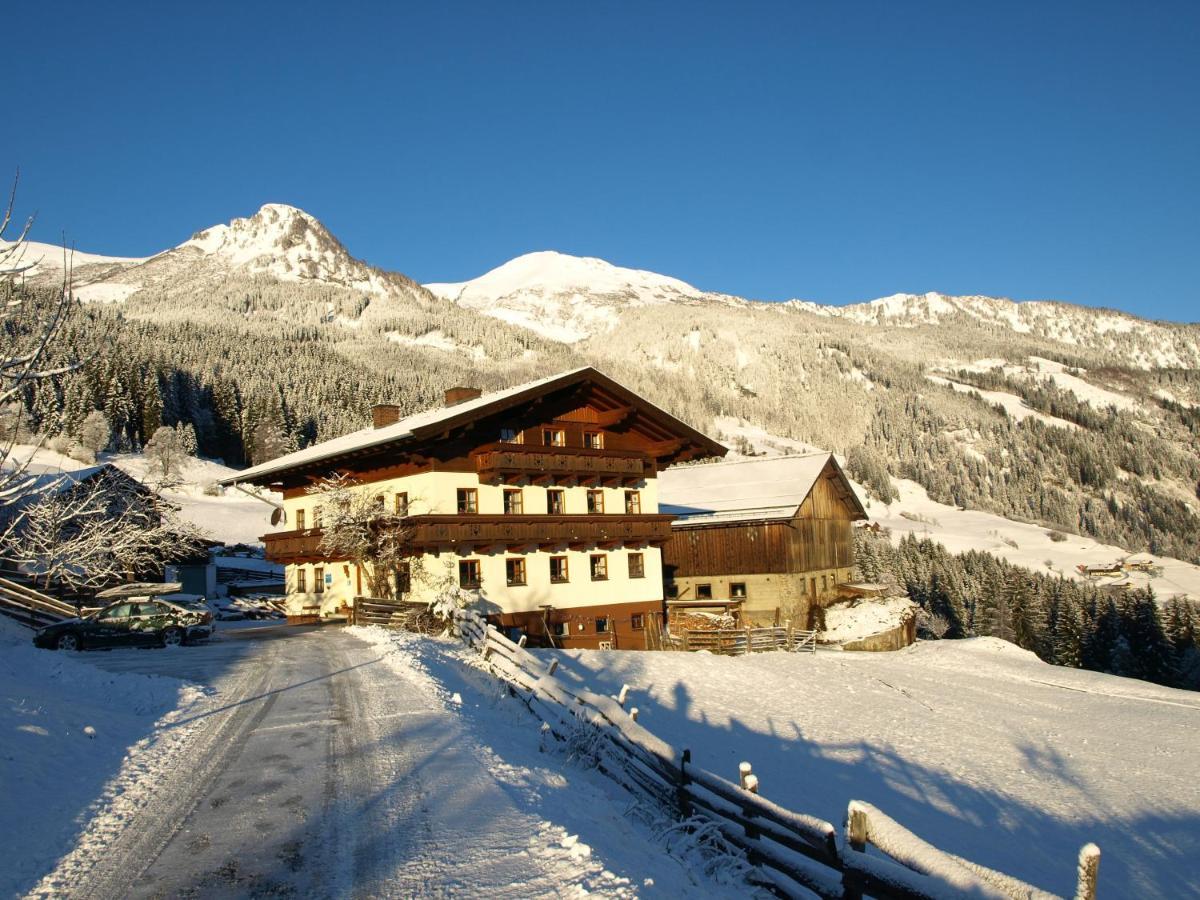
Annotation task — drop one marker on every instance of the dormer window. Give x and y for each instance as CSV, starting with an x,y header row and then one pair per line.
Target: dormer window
x,y
593,440
554,437
511,436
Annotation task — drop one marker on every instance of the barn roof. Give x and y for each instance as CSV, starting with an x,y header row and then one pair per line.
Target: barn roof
x,y
432,421
746,490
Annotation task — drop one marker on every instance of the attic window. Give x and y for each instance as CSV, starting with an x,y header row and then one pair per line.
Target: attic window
x,y
554,437
593,440
511,436
704,592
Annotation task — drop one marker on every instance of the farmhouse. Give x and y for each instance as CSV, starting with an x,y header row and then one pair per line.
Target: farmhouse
x,y
768,538
541,499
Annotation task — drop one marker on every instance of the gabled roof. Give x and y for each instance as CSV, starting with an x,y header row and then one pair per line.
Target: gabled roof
x,y
747,490
431,422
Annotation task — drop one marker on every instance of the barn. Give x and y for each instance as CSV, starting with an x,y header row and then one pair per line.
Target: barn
x,y
768,538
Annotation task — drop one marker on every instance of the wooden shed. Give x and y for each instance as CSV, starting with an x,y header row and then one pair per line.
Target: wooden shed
x,y
774,534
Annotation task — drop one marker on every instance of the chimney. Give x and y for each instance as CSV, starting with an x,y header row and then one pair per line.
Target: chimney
x,y
385,414
457,395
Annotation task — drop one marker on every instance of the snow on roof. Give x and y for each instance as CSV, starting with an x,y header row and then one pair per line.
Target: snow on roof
x,y
373,437
741,490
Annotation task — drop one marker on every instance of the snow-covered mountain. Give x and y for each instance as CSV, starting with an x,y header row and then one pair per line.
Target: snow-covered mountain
x,y
279,242
1145,344
567,298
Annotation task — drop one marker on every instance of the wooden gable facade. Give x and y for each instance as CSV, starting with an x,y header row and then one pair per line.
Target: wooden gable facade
x,y
769,563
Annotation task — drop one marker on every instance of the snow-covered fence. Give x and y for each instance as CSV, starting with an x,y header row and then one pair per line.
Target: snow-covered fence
x,y
31,607
797,854
739,641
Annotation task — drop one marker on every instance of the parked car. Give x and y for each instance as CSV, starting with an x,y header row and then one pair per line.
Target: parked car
x,y
140,622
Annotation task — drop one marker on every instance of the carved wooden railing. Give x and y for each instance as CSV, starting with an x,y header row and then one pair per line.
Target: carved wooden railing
x,y
492,533
553,464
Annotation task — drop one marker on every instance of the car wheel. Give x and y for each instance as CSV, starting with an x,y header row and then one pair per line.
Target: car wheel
x,y
172,637
67,642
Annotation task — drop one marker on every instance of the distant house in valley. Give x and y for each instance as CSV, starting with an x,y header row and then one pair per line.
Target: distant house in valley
x,y
542,499
769,538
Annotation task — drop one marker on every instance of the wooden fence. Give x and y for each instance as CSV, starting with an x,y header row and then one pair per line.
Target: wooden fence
x,y
739,641
796,854
31,607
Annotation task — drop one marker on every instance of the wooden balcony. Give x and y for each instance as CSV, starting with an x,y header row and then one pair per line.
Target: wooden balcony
x,y
495,534
552,465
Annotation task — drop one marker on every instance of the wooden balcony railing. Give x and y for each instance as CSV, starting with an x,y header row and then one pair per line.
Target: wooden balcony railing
x,y
483,534
555,464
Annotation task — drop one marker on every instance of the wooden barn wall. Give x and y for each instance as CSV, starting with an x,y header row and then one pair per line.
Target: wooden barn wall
x,y
820,537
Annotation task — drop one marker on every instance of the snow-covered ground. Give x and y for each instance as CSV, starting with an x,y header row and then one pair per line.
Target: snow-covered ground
x,y
854,620
319,762
975,745
962,530
67,733
230,516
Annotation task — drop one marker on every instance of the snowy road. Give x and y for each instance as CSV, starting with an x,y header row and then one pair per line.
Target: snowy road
x,y
318,767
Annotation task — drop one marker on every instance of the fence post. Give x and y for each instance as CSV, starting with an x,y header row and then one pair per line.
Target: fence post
x,y
521,642
749,783
857,828
553,667
1089,871
633,713
623,696
685,808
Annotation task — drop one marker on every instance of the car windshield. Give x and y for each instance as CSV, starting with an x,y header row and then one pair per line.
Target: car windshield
x,y
190,603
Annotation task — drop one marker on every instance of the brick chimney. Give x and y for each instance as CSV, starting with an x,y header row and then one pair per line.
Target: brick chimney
x,y
385,414
457,395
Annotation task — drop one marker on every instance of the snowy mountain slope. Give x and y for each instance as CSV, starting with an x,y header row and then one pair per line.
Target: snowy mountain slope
x,y
566,298
1142,343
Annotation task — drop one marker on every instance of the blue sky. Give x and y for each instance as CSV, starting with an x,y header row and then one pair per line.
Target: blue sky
x,y
833,152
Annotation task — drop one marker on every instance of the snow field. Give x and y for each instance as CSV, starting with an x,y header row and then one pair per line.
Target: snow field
x,y
73,740
976,746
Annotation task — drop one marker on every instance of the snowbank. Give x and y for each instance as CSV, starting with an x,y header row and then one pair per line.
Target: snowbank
x,y
66,730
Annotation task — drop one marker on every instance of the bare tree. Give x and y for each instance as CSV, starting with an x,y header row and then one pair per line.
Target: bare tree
x,y
97,533
356,527
95,432
30,321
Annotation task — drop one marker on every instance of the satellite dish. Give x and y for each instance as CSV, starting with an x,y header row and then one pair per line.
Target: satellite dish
x,y
277,516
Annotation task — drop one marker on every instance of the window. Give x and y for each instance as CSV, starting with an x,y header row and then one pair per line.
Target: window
x,y
637,566
599,567
468,501
468,573
824,583
299,520
301,581
558,570
595,502
318,580
123,611
554,437
402,503
637,622
737,590
556,505
704,592
561,629
514,502
514,570
316,517
511,436
633,503
601,625
380,502
593,440
672,591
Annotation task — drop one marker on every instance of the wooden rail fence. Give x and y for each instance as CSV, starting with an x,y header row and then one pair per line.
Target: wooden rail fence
x,y
797,854
739,641
31,607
